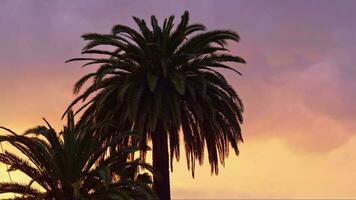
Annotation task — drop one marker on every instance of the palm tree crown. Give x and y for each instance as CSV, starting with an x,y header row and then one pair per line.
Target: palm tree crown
x,y
72,164
163,80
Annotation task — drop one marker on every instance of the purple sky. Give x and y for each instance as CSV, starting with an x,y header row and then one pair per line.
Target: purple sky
x,y
299,84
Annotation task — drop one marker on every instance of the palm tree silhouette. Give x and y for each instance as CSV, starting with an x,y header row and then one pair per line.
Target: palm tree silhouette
x,y
163,80
72,164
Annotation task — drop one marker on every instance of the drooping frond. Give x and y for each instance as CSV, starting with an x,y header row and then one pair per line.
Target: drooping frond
x,y
70,164
166,76
19,189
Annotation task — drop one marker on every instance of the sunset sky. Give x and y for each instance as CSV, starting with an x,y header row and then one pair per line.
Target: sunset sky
x,y
299,86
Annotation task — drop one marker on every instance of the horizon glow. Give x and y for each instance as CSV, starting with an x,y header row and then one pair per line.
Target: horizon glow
x,y
298,86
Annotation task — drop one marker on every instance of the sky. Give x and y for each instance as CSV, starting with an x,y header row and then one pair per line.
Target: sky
x,y
298,86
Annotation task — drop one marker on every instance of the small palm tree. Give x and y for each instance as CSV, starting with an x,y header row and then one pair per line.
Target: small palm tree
x,y
162,81
72,164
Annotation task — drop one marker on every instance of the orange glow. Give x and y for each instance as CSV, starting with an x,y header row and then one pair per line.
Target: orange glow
x,y
298,87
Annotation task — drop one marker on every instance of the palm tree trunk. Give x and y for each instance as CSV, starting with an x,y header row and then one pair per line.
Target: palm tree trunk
x,y
161,163
68,191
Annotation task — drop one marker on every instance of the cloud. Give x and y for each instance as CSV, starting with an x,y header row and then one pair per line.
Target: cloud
x,y
298,86
299,83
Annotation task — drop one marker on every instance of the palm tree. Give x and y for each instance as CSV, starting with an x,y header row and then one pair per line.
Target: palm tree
x,y
72,164
162,81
